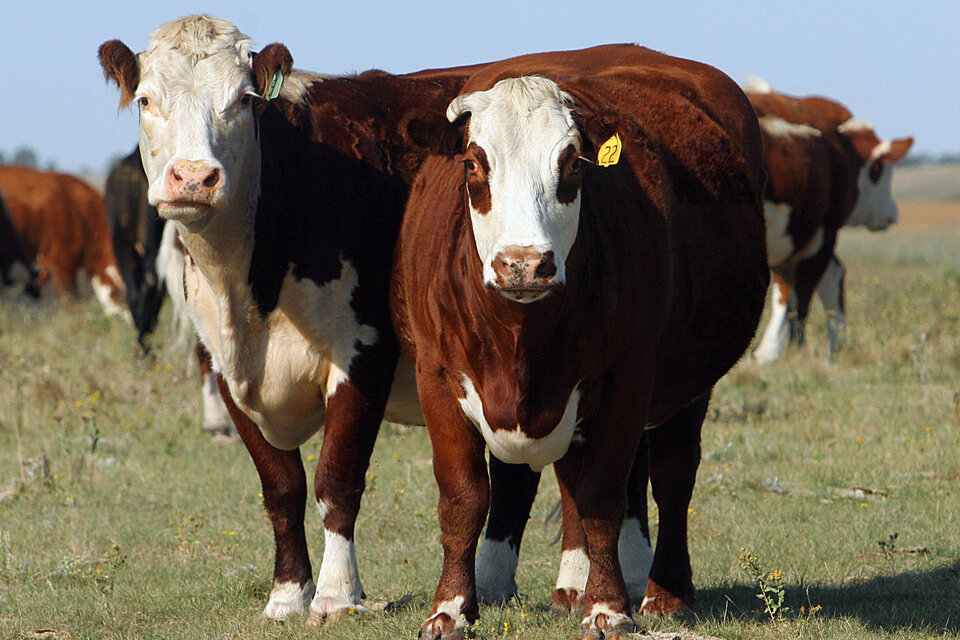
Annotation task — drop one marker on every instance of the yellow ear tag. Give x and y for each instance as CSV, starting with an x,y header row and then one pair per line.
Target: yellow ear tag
x,y
274,89
609,153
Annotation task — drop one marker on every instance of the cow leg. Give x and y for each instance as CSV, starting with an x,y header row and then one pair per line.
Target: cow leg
x,y
458,465
636,554
574,561
354,413
776,335
809,274
513,488
216,419
830,292
674,458
284,485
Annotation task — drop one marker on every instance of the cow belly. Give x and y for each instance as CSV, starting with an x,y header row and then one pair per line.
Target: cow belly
x,y
514,446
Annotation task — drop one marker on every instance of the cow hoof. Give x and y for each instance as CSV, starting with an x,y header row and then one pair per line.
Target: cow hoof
x,y
607,625
324,610
441,627
665,605
566,602
287,599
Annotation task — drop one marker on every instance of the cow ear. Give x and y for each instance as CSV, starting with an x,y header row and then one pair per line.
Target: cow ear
x,y
898,149
270,66
430,132
597,128
120,65
863,139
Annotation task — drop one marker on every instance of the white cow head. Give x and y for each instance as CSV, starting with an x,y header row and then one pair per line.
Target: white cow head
x,y
195,86
522,167
875,207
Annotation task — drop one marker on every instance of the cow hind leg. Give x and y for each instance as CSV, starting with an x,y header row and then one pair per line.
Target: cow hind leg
x,y
776,335
636,554
674,458
830,292
284,485
513,488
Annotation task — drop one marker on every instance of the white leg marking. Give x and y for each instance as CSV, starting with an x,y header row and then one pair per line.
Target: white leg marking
x,y
830,291
574,568
777,334
614,619
496,571
451,608
338,583
779,242
636,558
216,419
287,598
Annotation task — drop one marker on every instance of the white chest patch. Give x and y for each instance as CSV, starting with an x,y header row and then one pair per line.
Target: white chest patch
x,y
515,447
281,369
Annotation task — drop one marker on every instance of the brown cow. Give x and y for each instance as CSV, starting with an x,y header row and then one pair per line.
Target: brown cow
x,y
62,225
548,300
826,170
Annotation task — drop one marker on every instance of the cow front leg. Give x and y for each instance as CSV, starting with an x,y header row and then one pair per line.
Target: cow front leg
x,y
513,488
574,563
636,554
354,412
830,292
601,499
284,487
458,465
674,458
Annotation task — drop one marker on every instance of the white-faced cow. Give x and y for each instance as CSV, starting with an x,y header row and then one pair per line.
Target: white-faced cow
x,y
287,189
826,170
62,227
547,300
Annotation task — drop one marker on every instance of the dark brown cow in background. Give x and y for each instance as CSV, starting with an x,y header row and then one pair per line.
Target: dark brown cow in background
x,y
63,229
826,170
548,300
135,230
15,267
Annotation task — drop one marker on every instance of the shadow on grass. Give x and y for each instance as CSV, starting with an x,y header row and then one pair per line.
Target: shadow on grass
x,y
910,601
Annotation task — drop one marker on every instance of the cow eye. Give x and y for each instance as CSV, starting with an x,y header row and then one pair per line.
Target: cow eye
x,y
575,165
144,102
876,169
471,167
245,100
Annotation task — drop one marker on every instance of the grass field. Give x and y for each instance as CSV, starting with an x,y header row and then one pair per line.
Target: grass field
x,y
119,519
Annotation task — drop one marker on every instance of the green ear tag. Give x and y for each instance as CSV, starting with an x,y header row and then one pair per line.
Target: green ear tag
x,y
274,89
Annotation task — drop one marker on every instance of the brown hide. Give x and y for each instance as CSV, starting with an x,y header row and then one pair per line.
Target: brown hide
x,y
62,224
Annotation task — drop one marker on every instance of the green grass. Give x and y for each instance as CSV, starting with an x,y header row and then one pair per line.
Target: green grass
x,y
101,448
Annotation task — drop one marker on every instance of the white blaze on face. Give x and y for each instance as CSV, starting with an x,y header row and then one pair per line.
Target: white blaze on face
x,y
875,207
522,125
194,101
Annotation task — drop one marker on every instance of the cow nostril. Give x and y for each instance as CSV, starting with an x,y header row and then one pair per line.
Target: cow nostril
x,y
212,179
176,176
547,268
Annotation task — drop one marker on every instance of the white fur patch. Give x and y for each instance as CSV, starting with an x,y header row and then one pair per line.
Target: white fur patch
x,y
756,84
19,273
614,619
776,335
875,207
338,582
515,447
636,557
104,290
451,608
574,570
779,243
496,571
780,128
288,598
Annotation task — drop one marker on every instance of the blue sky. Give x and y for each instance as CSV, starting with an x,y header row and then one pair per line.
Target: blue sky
x,y
895,64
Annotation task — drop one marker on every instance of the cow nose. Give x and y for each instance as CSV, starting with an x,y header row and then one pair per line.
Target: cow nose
x,y
519,267
193,182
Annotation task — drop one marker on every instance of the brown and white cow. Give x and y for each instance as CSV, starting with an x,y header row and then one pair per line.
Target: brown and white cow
x,y
63,228
548,300
826,170
287,190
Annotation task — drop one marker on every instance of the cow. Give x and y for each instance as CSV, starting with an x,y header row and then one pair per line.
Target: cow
x,y
287,189
826,170
63,228
547,300
15,267
135,231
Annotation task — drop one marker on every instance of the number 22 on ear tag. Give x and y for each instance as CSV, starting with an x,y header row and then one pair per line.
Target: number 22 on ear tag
x,y
609,153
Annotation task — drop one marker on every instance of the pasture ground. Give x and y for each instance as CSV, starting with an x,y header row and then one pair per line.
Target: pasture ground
x,y
120,519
